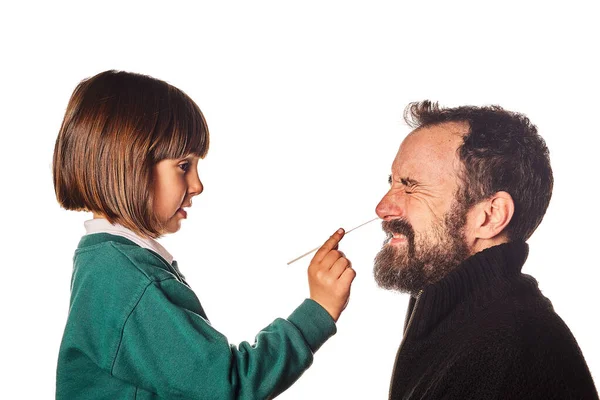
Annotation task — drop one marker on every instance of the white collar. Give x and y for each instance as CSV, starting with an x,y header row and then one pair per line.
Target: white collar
x,y
101,225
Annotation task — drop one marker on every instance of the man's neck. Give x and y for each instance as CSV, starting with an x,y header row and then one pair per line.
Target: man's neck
x,y
481,244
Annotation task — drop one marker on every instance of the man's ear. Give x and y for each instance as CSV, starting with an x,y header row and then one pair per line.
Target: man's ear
x,y
493,215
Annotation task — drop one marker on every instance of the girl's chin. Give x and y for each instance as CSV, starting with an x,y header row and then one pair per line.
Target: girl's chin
x,y
172,226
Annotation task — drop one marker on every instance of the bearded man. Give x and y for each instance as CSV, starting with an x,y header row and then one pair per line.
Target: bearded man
x,y
469,186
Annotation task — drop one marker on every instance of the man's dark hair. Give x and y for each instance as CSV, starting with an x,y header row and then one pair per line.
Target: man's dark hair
x,y
502,151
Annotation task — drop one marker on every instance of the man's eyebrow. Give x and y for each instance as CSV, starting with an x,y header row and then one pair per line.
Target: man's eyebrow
x,y
409,181
405,181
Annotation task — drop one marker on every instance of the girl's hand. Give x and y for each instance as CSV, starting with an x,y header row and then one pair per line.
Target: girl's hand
x,y
330,275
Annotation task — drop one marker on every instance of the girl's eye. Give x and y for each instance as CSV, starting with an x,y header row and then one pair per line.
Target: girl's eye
x,y
184,166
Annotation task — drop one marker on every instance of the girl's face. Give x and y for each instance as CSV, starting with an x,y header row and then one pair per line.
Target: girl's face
x,y
176,181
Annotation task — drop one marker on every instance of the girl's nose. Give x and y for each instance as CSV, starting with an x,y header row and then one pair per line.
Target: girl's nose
x,y
195,186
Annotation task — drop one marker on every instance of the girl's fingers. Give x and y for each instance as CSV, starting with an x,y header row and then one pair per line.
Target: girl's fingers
x,y
347,276
331,258
329,245
339,267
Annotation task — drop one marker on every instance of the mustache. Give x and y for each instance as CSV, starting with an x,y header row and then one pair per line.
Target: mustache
x,y
402,227
398,226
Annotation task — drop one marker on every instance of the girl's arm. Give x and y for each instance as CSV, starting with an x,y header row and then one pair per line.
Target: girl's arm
x,y
171,351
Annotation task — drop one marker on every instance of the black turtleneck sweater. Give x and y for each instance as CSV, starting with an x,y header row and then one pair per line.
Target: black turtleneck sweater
x,y
485,331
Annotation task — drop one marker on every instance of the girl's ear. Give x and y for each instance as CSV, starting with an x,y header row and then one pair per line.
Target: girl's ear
x,y
493,215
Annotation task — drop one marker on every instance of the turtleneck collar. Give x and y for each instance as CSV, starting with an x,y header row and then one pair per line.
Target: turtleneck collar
x,y
490,270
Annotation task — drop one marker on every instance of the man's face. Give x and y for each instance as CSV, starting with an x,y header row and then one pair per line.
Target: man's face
x,y
423,220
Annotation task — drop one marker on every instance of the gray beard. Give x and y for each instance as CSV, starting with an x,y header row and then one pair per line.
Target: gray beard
x,y
410,270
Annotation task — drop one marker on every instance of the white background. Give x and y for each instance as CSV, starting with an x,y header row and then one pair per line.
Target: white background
x,y
304,102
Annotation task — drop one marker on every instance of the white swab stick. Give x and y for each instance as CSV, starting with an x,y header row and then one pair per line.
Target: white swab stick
x,y
317,248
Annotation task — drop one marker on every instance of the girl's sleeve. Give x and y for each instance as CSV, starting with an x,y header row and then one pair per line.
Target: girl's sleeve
x,y
174,352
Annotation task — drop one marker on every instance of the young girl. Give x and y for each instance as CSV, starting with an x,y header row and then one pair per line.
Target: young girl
x,y
128,151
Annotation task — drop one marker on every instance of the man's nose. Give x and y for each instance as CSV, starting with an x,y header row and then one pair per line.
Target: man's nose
x,y
390,207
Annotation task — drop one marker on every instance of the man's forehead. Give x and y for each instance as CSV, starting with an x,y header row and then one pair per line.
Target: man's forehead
x,y
431,150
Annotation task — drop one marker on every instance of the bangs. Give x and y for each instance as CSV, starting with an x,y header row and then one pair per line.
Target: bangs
x,y
116,127
181,129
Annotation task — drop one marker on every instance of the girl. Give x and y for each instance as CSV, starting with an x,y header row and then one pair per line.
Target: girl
x,y
128,151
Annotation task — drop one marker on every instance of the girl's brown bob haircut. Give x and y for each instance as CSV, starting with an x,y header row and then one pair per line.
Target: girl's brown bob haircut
x,y
117,126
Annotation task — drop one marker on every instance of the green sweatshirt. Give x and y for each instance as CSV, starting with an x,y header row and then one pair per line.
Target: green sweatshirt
x,y
136,330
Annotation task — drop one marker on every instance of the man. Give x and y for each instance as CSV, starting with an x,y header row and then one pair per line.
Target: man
x,y
468,187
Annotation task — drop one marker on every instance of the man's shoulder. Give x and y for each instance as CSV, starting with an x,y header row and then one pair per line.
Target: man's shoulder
x,y
525,322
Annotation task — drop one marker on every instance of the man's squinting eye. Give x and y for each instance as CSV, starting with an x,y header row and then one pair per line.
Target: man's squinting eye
x,y
408,185
406,182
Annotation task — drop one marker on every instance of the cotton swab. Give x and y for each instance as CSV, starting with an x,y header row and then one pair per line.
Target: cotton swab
x,y
317,248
